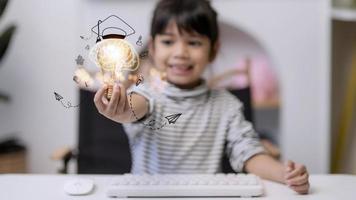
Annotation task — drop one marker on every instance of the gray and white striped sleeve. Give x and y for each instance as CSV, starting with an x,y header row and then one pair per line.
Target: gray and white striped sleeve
x,y
242,140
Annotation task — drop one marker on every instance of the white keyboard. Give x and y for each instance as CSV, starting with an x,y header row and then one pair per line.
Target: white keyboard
x,y
183,185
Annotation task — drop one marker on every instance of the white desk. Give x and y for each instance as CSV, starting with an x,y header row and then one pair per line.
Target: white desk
x,y
50,187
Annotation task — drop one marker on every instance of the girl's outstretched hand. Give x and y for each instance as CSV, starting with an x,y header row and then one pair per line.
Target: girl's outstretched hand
x,y
117,108
297,177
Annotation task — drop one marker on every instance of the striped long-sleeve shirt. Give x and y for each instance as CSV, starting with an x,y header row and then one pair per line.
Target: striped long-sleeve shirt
x,y
195,142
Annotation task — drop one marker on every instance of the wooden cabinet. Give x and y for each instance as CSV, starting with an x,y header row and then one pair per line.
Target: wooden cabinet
x,y
14,162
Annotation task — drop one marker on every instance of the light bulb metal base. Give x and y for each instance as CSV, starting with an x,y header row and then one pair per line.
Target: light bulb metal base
x,y
108,92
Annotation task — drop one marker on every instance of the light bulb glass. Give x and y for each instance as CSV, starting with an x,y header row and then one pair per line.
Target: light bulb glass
x,y
113,56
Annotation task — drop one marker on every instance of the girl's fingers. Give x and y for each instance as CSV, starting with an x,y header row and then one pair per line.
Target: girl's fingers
x,y
299,169
98,99
113,103
299,180
123,99
301,189
289,166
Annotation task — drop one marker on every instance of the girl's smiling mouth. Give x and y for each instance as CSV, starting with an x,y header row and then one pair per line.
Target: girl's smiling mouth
x,y
181,69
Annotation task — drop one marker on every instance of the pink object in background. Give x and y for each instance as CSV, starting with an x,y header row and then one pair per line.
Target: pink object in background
x,y
264,83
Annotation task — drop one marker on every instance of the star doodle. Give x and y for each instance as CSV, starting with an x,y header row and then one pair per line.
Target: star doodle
x,y
79,60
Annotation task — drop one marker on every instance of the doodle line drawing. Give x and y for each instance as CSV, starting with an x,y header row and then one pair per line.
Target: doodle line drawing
x,y
143,54
79,60
150,124
99,34
68,104
139,41
127,33
86,38
139,80
76,80
172,119
83,38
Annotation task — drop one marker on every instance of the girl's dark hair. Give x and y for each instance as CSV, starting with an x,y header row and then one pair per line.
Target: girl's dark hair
x,y
190,15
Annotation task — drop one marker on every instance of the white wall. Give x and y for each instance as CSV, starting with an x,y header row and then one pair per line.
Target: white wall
x,y
296,34
40,61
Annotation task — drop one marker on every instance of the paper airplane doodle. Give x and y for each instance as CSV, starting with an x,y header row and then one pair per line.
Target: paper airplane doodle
x,y
173,118
79,60
139,80
57,96
60,99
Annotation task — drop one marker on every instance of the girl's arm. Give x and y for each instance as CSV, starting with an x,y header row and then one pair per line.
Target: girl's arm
x,y
292,174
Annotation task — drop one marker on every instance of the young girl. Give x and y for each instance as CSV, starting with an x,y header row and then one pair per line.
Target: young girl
x,y
184,40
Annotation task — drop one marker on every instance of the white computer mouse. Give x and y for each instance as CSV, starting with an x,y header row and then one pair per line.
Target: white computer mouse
x,y
78,186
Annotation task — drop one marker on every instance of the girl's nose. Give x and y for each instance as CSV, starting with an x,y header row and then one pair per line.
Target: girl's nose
x,y
181,50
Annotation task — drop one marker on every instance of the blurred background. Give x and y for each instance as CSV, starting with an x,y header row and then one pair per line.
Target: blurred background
x,y
298,59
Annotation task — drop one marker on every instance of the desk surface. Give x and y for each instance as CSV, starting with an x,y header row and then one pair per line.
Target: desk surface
x,y
28,187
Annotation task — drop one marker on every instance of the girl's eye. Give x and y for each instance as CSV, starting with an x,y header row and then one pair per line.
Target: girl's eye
x,y
167,42
195,43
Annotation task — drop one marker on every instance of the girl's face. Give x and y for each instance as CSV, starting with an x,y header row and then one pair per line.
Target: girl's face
x,y
183,56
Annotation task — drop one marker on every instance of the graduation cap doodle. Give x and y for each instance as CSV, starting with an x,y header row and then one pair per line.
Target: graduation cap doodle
x,y
173,118
57,96
113,23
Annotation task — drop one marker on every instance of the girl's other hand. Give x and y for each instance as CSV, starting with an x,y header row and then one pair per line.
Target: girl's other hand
x,y
297,177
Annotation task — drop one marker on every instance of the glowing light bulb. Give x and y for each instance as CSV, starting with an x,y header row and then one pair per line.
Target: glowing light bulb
x,y
113,56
